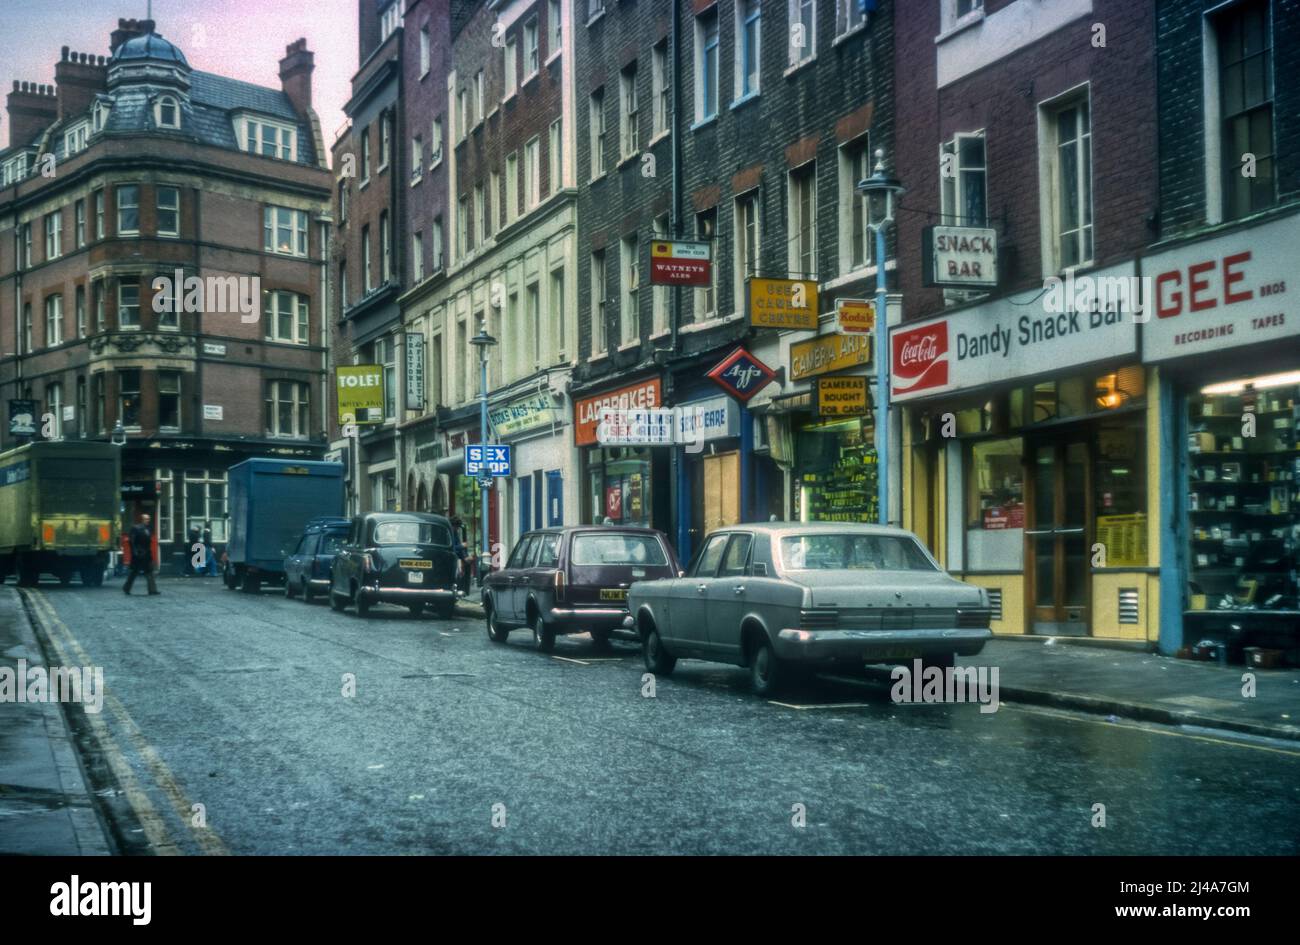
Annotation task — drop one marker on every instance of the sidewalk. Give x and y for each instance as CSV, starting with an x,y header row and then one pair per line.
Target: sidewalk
x,y
45,805
1142,686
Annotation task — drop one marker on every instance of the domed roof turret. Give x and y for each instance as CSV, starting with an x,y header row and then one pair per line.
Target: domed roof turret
x,y
149,46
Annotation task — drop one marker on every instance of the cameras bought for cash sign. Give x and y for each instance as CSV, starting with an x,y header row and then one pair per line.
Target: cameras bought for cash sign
x,y
361,392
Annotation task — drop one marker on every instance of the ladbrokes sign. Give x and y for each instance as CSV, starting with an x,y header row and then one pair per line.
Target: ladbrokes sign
x,y
586,412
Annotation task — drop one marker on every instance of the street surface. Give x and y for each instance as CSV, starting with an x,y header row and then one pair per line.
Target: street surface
x,y
235,703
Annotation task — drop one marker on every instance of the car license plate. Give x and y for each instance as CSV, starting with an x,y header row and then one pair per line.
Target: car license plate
x,y
613,593
415,577
871,654
415,563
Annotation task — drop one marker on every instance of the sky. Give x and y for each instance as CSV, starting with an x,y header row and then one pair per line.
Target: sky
x,y
242,39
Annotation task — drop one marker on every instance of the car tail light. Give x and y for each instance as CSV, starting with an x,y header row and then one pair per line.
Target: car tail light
x,y
974,618
559,587
103,534
818,618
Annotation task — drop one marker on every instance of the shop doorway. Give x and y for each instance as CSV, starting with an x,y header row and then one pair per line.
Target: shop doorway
x,y
1057,572
721,491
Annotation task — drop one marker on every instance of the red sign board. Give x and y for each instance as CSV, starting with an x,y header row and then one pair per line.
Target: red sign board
x,y
677,263
742,375
920,358
586,412
614,502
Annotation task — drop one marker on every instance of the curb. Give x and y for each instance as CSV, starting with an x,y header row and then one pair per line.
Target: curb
x,y
1102,705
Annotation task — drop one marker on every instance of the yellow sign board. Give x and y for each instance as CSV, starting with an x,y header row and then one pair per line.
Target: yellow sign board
x,y
856,315
828,354
1125,539
840,396
361,392
782,303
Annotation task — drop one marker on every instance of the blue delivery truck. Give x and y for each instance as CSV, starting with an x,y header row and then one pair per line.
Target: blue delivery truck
x,y
271,502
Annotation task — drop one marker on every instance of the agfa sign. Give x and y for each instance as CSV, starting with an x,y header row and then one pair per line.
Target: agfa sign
x,y
742,375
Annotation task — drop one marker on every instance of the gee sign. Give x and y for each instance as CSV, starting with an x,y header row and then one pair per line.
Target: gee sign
x,y
483,461
360,391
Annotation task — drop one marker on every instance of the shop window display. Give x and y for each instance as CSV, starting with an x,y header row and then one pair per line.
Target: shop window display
x,y
1243,496
836,472
1120,502
995,520
620,486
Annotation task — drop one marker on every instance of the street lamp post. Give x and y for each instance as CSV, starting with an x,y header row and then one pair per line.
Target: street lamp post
x,y
483,341
881,191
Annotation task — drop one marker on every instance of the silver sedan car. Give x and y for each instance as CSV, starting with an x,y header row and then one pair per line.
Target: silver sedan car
x,y
784,597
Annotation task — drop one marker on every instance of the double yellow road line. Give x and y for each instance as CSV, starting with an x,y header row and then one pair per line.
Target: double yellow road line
x,y
156,829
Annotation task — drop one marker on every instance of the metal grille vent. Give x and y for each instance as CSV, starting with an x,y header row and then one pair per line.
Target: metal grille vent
x,y
1128,605
995,602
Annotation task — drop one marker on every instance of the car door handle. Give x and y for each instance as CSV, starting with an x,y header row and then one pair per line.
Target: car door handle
x,y
702,588
1069,531
740,589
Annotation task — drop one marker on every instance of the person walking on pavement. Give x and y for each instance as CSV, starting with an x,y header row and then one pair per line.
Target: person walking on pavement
x,y
210,553
462,554
141,555
191,570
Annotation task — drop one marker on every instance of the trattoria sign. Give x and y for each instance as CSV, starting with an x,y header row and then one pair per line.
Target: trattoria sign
x,y
587,411
1075,323
1224,293
964,257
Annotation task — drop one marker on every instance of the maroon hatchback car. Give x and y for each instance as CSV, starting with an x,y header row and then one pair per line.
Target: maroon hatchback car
x,y
573,580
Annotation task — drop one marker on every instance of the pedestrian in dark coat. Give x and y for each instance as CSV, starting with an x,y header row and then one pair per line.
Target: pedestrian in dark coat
x,y
141,555
209,553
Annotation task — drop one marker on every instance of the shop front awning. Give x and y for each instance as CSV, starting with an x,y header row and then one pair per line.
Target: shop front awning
x,y
788,403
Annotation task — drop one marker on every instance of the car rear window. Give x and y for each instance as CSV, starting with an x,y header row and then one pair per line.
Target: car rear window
x,y
412,533
849,552
617,549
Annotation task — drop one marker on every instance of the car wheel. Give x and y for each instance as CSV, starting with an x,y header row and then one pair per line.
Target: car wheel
x,y
657,660
601,638
252,584
543,635
496,632
288,589
362,605
768,672
336,602
305,591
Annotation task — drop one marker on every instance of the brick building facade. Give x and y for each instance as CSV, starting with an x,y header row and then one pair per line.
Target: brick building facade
x,y
132,169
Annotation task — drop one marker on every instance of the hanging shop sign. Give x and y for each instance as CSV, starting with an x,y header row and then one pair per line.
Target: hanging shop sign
x,y
855,316
484,460
414,370
841,396
520,416
586,411
673,262
1223,293
827,354
704,420
781,303
360,392
1070,324
22,417
742,375
963,257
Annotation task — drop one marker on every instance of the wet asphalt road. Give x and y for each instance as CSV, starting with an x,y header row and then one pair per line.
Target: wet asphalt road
x,y
236,703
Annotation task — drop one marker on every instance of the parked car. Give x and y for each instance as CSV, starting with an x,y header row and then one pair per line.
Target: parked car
x,y
570,580
784,597
307,569
401,558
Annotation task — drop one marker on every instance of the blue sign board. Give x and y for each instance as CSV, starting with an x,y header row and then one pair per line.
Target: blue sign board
x,y
486,461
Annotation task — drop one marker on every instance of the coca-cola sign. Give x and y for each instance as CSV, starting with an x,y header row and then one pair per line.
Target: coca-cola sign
x,y
920,359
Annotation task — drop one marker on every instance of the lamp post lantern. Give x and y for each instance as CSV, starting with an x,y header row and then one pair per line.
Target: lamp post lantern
x,y
881,192
483,341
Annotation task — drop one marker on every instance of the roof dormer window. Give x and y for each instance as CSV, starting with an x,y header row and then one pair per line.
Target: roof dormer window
x,y
74,139
99,116
269,138
166,112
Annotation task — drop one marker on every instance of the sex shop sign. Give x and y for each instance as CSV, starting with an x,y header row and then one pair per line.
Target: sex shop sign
x,y
741,375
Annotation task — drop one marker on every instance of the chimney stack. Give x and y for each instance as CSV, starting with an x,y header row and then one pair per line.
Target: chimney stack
x,y
32,109
78,77
295,75
127,30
